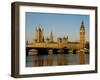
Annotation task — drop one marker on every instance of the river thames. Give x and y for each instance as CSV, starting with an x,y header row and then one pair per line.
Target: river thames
x,y
57,59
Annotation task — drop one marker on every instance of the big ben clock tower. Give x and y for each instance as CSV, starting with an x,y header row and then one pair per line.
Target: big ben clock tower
x,y
82,35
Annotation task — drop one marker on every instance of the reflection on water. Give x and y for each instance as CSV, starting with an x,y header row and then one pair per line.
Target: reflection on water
x,y
57,59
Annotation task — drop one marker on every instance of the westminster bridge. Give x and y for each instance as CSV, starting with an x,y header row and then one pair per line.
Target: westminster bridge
x,y
49,48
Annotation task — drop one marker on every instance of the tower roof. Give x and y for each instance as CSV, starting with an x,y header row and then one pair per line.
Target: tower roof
x,y
39,27
82,25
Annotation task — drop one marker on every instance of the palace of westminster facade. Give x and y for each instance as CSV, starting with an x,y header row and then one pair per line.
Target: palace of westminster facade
x,y
41,41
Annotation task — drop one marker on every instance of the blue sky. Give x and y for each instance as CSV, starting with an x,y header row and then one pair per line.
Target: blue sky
x,y
60,24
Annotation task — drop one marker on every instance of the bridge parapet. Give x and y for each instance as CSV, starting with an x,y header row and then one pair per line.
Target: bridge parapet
x,y
53,45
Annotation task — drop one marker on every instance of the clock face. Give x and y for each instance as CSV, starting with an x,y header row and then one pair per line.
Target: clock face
x,y
82,31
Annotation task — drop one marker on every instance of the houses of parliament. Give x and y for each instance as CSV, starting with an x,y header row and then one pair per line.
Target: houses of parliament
x,y
48,43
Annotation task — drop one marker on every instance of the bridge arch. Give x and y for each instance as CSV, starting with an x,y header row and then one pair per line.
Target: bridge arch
x,y
65,50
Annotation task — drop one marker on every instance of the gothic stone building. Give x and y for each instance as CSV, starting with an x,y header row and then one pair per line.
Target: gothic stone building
x,y
41,41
